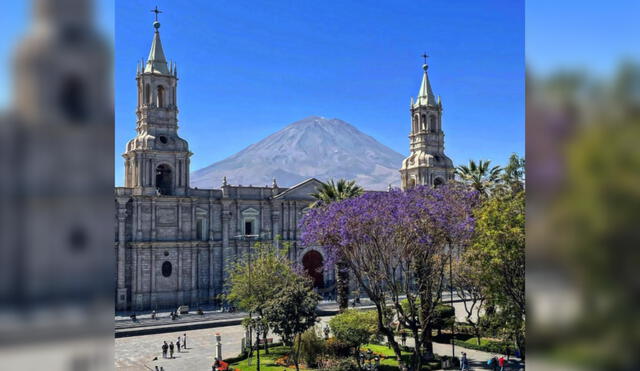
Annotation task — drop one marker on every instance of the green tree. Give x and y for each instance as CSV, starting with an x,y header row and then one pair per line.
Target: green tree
x,y
498,249
443,317
311,346
336,191
469,285
333,192
354,327
479,175
292,312
514,172
257,278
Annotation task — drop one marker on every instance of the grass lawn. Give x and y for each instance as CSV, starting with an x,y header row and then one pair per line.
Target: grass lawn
x,y
267,361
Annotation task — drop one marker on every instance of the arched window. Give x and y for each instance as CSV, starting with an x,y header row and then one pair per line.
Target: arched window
x,y
432,124
412,183
166,269
147,94
416,123
160,96
423,122
73,100
163,180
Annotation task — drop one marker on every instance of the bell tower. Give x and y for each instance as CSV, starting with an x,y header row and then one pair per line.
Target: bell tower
x,y
427,164
157,159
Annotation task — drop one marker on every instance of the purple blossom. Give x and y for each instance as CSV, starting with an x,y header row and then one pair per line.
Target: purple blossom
x,y
413,219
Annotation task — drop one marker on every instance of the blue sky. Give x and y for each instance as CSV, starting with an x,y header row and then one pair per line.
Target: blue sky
x,y
249,68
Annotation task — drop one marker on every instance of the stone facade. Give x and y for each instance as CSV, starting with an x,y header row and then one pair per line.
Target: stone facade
x,y
427,164
174,242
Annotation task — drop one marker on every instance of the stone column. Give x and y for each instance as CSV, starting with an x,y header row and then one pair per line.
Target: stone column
x,y
180,219
153,219
211,259
122,290
195,253
152,286
226,249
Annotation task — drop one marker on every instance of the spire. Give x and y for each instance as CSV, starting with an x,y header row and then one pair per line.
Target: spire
x,y
425,95
156,62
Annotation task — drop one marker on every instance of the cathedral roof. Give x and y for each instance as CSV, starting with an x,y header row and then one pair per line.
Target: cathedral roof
x,y
156,63
425,95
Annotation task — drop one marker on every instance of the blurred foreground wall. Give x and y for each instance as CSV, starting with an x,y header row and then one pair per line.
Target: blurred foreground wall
x,y
583,186
56,195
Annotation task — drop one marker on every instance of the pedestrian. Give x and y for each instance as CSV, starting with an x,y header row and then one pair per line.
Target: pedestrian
x,y
493,362
164,349
464,362
178,344
501,363
153,314
403,336
171,350
184,342
508,353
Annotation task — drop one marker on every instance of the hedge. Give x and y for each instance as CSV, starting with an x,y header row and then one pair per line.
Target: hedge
x,y
490,346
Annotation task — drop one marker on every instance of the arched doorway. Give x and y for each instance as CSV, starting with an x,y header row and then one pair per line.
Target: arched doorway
x,y
313,264
438,182
163,179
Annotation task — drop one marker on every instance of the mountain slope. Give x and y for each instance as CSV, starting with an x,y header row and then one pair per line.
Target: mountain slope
x,y
313,147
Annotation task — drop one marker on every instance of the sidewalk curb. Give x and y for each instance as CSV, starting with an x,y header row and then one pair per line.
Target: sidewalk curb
x,y
149,330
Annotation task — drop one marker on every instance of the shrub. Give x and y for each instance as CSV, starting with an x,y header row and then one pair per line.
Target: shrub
x,y
337,348
354,327
311,346
339,365
486,345
443,317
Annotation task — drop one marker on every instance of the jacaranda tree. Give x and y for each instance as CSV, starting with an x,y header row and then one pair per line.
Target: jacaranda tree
x,y
396,244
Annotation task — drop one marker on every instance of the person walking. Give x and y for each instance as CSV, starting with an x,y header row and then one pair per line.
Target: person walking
x,y
464,362
184,342
508,353
178,344
501,363
403,337
171,349
165,347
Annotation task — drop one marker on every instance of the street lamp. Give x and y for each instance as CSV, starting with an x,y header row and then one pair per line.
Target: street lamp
x,y
260,328
453,323
242,237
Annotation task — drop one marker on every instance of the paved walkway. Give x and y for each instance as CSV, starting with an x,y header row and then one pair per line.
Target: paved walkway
x,y
144,352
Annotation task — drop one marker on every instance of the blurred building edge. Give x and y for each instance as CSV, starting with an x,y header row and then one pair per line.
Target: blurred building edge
x,y
56,205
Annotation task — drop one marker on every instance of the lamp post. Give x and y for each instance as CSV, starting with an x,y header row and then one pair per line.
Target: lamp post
x,y
249,237
259,327
453,323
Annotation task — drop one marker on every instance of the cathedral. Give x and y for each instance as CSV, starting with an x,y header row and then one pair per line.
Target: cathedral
x,y
174,243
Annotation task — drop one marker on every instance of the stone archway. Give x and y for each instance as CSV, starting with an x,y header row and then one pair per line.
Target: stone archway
x,y
163,179
313,264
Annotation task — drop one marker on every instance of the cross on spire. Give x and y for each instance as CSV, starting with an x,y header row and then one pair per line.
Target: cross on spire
x,y
156,11
425,56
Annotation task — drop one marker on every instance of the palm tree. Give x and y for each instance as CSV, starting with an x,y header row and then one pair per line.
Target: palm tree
x,y
479,175
514,173
332,192
336,191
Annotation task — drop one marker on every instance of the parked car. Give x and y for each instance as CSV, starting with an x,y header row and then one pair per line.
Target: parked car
x,y
183,309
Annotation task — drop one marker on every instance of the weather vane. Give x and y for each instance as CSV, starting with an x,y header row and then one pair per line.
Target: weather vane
x,y
425,56
156,11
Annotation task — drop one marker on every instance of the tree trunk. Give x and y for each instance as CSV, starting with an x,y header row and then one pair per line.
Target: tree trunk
x,y
342,285
297,355
264,338
417,350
